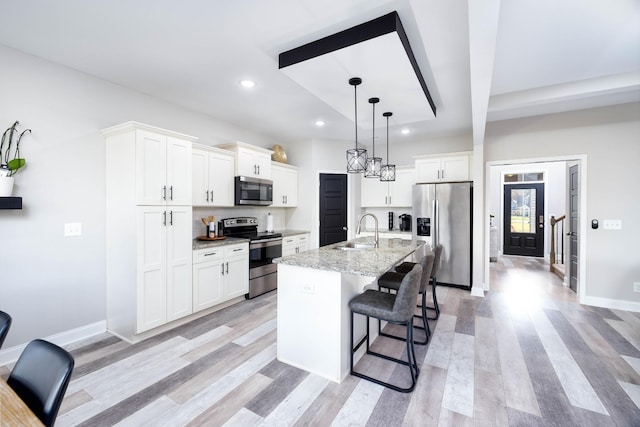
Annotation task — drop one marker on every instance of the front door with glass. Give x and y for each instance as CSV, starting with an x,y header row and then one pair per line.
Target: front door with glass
x,y
524,219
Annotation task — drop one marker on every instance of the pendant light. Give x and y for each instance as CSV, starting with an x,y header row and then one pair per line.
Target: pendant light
x,y
388,171
356,157
373,163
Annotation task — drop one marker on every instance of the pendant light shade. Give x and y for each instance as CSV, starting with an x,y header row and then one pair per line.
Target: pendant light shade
x,y
373,163
356,157
388,171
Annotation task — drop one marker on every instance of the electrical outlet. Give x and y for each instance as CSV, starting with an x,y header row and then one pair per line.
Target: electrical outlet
x,y
636,286
309,288
73,229
612,224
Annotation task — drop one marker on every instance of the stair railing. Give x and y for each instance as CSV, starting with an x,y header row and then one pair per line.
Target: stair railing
x,y
557,240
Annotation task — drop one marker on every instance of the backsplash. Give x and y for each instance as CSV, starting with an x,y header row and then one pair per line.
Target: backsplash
x,y
260,212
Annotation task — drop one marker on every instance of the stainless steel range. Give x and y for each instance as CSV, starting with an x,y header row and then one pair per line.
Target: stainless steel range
x,y
263,248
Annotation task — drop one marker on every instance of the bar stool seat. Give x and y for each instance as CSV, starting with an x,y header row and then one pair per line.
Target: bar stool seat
x,y
407,266
392,279
394,308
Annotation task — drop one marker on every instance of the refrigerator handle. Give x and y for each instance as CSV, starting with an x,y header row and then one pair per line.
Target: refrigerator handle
x,y
434,224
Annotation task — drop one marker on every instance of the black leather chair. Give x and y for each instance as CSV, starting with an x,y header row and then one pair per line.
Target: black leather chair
x,y
407,266
40,377
5,324
394,308
392,279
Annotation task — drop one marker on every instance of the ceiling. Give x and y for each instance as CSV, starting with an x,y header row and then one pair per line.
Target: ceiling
x,y
482,61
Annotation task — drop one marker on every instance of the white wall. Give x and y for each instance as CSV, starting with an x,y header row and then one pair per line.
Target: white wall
x,y
50,283
554,195
609,138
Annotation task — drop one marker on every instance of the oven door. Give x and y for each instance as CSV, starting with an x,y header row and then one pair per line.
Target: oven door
x,y
253,191
261,255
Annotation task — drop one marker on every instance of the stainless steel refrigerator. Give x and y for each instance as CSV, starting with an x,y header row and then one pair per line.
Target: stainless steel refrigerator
x,y
442,214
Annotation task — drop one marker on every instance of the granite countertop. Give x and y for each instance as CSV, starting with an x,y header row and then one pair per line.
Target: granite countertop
x,y
366,262
205,244
289,233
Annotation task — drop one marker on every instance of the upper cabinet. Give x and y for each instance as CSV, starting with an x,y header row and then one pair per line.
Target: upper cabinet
x,y
285,185
376,193
442,168
161,159
250,160
213,171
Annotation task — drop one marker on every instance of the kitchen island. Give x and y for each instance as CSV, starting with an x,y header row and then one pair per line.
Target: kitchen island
x,y
314,289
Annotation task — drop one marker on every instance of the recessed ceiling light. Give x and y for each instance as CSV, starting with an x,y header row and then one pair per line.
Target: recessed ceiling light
x,y
319,123
247,83
405,131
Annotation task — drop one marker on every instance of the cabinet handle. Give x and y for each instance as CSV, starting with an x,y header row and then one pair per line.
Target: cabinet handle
x,y
164,192
389,200
236,250
258,169
255,169
171,192
211,196
170,217
438,173
210,253
164,218
227,270
222,270
207,195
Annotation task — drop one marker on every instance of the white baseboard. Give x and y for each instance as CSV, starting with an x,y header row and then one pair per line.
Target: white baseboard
x,y
11,354
615,304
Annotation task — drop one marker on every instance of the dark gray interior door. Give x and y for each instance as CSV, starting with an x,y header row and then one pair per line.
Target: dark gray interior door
x,y
333,208
574,180
524,219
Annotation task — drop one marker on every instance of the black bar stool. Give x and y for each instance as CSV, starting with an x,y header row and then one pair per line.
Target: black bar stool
x,y
392,279
407,266
394,308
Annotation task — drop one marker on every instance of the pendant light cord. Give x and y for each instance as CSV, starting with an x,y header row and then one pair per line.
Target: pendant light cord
x,y
355,104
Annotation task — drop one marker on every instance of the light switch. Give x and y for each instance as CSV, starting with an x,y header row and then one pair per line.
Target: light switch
x,y
73,229
612,224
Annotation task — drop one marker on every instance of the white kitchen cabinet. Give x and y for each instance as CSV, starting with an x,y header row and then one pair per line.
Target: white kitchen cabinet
x,y
376,193
163,265
285,185
163,168
212,176
442,168
148,233
220,274
295,244
251,161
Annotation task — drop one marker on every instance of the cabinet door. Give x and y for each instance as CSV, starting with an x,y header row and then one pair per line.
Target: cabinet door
x,y
279,177
200,195
428,170
373,192
221,179
151,168
179,262
455,168
236,277
263,161
151,255
246,164
303,242
400,189
291,188
289,246
178,178
207,284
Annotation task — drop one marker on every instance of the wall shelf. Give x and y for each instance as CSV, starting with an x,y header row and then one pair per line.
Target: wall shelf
x,y
10,202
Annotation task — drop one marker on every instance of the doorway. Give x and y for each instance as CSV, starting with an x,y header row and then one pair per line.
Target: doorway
x,y
524,219
333,208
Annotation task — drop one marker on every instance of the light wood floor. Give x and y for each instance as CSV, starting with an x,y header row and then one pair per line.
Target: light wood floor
x,y
525,355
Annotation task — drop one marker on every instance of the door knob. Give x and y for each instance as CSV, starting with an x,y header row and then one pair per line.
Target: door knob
x,y
345,228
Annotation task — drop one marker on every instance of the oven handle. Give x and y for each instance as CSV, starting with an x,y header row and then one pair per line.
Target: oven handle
x,y
266,242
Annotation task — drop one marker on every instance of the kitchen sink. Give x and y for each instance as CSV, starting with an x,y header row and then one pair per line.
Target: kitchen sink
x,y
350,246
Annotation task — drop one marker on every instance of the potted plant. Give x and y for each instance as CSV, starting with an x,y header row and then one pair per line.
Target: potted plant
x,y
10,160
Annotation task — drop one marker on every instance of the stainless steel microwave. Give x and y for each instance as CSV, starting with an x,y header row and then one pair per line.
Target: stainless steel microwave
x,y
253,191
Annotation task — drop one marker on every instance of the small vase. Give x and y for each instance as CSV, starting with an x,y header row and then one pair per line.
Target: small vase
x,y
6,186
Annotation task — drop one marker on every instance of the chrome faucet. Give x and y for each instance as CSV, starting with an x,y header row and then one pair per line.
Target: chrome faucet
x,y
376,240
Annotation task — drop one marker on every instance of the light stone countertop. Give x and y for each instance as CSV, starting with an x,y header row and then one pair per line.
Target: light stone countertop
x,y
365,262
206,244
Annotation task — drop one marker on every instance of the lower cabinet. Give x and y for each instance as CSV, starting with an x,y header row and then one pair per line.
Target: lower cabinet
x,y
220,274
295,244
